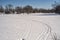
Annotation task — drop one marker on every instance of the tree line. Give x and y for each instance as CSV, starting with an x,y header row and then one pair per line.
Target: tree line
x,y
9,9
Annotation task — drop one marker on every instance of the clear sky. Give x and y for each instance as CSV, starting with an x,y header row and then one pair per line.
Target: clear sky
x,y
35,3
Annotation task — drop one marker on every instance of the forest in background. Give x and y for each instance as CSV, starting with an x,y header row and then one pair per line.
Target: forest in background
x,y
9,9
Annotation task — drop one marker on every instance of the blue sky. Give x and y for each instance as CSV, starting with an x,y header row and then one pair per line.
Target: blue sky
x,y
35,3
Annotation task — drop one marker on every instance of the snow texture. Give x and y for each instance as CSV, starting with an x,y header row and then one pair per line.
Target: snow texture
x,y
29,27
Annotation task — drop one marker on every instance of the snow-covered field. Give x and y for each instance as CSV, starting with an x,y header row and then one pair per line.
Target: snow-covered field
x,y
29,27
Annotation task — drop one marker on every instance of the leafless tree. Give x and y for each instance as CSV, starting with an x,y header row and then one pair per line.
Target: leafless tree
x,y
1,9
9,9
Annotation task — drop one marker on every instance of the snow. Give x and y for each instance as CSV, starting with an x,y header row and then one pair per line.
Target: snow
x,y
29,26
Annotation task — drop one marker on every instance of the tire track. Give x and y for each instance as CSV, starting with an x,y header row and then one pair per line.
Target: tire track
x,y
44,35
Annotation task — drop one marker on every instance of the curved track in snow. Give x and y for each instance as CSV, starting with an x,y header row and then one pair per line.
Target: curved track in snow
x,y
43,36
11,26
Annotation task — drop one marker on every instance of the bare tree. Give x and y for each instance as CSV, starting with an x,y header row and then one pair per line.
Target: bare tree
x,y
56,7
1,9
28,9
9,9
18,10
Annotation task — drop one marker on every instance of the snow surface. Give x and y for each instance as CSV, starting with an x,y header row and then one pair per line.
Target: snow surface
x,y
29,26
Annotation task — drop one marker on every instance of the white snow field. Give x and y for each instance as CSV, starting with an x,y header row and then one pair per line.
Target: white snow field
x,y
29,27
